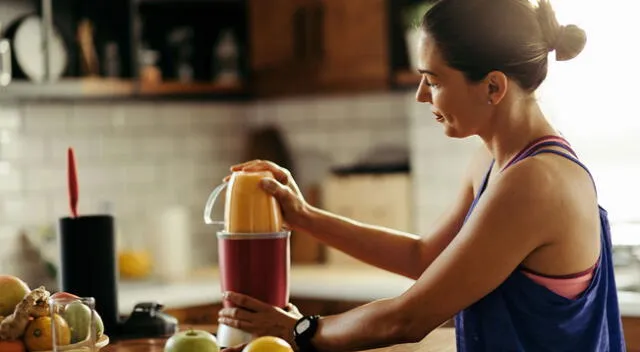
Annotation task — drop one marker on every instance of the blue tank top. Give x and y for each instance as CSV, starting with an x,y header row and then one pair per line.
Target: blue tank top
x,y
521,315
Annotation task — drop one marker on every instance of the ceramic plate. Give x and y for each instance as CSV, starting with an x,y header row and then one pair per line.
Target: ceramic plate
x,y
27,47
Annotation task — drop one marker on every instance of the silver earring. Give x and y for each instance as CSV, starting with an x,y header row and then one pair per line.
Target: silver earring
x,y
490,102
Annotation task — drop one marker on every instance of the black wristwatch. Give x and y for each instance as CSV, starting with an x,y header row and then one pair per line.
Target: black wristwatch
x,y
303,332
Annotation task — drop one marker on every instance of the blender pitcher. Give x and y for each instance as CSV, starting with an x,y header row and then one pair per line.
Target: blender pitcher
x,y
253,250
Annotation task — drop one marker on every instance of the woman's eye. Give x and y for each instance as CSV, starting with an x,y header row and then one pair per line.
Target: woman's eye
x,y
425,81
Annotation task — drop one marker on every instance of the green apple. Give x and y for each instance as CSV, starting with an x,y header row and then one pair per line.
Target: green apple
x,y
99,325
78,316
192,340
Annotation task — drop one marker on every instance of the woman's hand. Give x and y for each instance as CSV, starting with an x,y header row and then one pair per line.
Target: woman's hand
x,y
282,187
259,318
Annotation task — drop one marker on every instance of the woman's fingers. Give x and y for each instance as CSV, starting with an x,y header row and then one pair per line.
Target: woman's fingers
x,y
238,324
246,302
235,313
238,167
290,308
275,188
279,173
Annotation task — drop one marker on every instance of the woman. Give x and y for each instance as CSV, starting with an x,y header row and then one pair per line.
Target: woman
x,y
522,259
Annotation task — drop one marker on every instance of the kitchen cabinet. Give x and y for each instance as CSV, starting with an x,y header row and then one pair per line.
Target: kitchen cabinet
x,y
271,29
355,44
286,47
128,27
321,46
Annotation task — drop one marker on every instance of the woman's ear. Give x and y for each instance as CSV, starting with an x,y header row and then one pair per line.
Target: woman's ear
x,y
497,85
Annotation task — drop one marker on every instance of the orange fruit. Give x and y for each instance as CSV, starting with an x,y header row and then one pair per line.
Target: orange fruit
x,y
12,346
38,336
268,344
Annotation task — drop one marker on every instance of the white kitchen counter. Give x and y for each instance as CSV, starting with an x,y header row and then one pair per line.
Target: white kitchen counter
x,y
350,284
324,282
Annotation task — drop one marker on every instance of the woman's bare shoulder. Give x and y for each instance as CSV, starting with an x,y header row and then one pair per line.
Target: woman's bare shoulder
x,y
479,165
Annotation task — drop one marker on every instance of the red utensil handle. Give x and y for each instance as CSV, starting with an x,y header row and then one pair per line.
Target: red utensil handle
x,y
73,182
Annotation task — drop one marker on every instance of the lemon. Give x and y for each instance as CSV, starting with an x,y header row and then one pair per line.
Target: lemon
x,y
134,264
268,344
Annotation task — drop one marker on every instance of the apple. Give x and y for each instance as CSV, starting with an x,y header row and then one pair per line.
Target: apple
x,y
64,295
12,291
192,340
99,325
78,316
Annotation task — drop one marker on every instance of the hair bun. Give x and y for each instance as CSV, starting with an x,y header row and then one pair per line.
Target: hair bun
x,y
569,42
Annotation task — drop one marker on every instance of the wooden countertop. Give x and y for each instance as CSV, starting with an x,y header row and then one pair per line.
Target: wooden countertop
x,y
440,340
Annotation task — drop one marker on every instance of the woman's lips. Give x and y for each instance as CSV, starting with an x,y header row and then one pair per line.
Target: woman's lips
x,y
438,116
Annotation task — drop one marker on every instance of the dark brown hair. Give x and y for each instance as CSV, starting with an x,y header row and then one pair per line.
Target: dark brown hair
x,y
511,36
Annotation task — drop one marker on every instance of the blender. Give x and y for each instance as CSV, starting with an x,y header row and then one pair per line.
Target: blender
x,y
253,249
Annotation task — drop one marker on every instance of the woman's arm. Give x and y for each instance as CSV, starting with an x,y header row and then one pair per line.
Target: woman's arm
x,y
499,235
392,250
396,251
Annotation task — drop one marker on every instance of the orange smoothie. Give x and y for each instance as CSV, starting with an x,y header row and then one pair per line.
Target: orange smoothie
x,y
249,209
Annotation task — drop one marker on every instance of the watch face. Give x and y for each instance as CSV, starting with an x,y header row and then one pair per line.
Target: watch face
x,y
304,325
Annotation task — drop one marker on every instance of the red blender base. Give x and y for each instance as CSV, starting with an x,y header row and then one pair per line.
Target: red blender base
x,y
256,265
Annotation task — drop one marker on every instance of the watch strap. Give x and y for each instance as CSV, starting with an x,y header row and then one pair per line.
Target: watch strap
x,y
303,340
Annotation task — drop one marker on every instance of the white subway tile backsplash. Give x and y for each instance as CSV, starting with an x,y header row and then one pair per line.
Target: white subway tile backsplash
x,y
36,207
140,115
333,108
143,156
115,146
17,147
196,145
45,178
161,146
10,118
10,177
46,118
87,119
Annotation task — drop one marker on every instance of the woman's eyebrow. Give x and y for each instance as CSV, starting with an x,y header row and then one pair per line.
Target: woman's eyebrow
x,y
425,71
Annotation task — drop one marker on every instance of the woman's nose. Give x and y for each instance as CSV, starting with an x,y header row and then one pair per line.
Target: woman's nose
x,y
423,94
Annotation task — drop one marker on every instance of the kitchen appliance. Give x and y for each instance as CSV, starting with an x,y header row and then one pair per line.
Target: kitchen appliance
x,y
253,250
88,268
88,263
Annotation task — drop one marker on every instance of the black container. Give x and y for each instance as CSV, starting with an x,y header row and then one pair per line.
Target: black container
x,y
88,266
148,321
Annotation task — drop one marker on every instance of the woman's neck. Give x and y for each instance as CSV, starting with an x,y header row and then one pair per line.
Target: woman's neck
x,y
516,122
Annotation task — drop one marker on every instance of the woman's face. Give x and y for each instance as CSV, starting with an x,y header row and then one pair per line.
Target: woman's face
x,y
460,106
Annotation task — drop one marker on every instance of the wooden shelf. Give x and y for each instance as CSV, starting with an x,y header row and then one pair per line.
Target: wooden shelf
x,y
407,78
178,88
98,88
188,1
68,89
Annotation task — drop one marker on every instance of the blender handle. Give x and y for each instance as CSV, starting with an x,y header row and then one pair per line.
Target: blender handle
x,y
209,206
